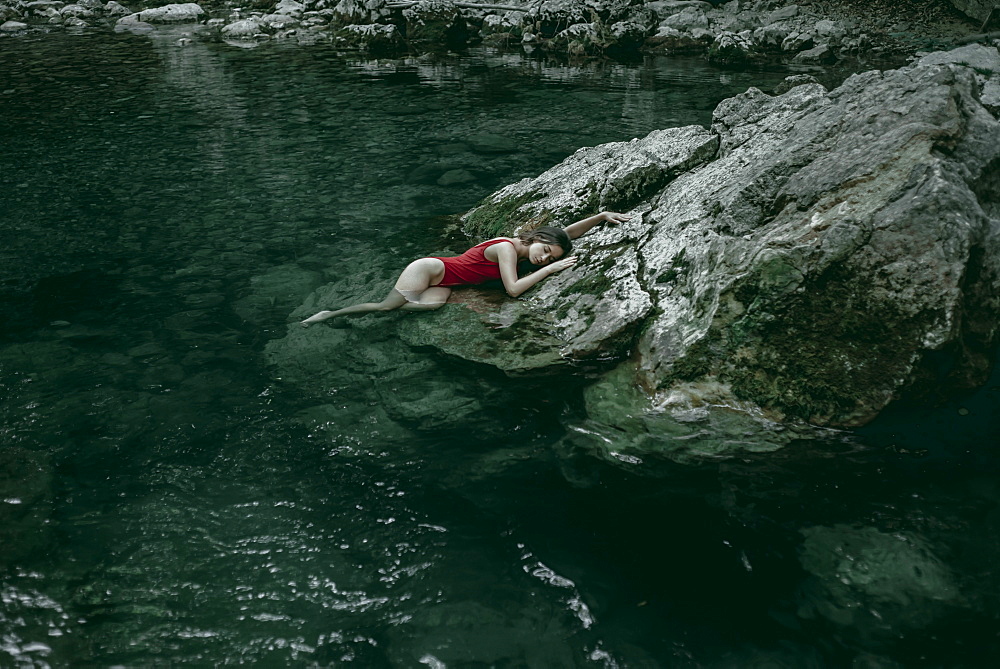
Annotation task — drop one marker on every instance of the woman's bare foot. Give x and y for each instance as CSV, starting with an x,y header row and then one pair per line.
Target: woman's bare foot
x,y
316,318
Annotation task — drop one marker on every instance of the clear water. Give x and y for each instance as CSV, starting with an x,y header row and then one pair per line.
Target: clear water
x,y
168,496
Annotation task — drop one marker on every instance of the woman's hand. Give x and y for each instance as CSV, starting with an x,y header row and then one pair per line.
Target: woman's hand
x,y
561,264
583,226
615,218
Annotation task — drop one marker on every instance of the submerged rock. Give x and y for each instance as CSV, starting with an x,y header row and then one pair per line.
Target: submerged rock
x,y
872,583
817,253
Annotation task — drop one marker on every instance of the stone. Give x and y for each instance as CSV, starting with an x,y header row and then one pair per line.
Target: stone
x,y
796,42
771,35
278,21
244,29
115,9
792,81
77,11
783,14
39,6
290,8
175,13
830,32
665,8
873,583
685,20
13,26
456,178
134,26
819,54
732,48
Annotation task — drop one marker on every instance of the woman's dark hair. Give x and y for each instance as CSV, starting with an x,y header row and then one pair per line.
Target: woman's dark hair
x,y
548,235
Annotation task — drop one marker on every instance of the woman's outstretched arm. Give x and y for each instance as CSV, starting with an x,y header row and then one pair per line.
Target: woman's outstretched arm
x,y
582,226
507,259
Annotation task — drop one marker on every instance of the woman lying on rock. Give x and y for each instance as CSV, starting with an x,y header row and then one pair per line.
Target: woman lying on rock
x,y
425,284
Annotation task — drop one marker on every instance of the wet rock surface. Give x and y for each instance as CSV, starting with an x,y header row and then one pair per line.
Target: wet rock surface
x,y
839,249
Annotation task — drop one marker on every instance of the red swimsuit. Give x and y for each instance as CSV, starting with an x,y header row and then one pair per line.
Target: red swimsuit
x,y
471,267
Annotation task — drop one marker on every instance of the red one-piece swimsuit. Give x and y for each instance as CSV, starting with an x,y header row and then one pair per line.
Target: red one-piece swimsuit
x,y
471,267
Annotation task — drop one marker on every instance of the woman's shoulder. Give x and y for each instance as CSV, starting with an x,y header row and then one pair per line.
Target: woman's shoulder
x,y
495,241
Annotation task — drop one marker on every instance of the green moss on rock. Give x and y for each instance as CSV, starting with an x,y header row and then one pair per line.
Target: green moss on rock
x,y
495,218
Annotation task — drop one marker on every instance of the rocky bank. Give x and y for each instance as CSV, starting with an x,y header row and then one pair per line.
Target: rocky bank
x,y
738,31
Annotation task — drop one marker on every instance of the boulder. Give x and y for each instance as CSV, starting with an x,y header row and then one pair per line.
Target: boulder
x,y
796,42
278,21
290,8
783,14
772,35
687,19
821,54
874,584
244,29
817,254
178,13
78,11
116,9
732,48
13,26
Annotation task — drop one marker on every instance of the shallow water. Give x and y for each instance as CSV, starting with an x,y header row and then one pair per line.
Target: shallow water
x,y
171,496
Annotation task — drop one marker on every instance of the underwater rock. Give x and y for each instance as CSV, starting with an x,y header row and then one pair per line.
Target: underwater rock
x,y
817,253
872,583
275,293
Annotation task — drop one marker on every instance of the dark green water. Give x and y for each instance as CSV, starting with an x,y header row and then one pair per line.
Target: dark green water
x,y
170,497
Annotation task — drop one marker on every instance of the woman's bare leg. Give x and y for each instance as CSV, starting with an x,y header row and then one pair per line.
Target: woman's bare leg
x,y
414,282
434,297
391,301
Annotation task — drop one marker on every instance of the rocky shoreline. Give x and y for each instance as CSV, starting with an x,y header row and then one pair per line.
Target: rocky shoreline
x,y
814,32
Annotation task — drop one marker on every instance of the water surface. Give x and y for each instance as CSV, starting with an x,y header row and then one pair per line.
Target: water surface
x,y
170,496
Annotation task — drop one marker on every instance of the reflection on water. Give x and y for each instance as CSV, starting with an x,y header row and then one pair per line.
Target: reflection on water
x,y
167,496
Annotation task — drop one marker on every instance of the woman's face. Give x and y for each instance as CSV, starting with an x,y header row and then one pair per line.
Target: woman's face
x,y
542,253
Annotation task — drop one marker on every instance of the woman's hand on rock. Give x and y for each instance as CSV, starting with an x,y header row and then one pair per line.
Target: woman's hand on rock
x,y
563,263
615,218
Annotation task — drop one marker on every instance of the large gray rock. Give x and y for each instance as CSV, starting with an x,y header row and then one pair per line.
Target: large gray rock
x,y
837,250
188,12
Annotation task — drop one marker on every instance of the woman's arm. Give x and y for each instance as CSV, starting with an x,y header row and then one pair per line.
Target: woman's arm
x,y
579,228
507,259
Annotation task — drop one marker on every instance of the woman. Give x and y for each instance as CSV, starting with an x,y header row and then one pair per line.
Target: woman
x,y
425,284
